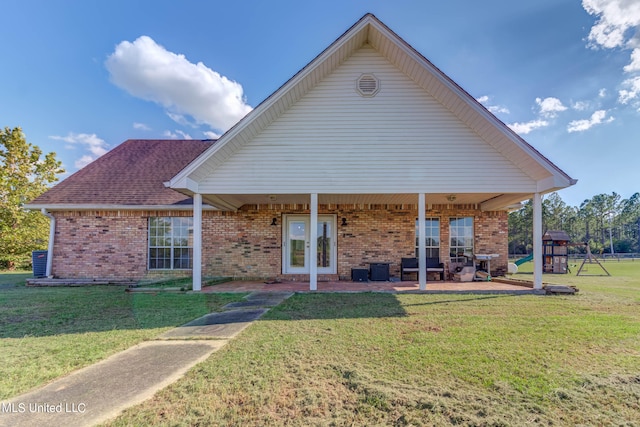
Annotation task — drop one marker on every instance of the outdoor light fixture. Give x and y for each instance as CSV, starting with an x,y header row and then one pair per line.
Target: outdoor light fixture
x,y
451,197
344,222
274,221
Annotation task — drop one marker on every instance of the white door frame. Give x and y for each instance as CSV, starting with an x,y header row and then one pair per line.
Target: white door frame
x,y
286,268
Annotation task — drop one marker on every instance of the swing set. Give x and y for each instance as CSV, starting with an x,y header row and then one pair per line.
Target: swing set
x,y
588,257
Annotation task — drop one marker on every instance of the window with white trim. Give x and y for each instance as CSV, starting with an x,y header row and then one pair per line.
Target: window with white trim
x,y
170,243
432,229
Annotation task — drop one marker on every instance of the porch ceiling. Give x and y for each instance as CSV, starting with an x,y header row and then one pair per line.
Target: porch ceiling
x,y
497,201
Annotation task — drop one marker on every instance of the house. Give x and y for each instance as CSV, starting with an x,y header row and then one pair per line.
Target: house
x,y
370,151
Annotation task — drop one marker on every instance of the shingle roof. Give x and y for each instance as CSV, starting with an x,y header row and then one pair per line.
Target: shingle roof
x,y
133,173
556,235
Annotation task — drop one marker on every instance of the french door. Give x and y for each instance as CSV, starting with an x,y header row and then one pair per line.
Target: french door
x,y
296,244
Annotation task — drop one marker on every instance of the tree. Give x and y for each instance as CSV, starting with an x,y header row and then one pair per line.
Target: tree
x,y
587,223
24,175
555,213
603,208
520,225
629,220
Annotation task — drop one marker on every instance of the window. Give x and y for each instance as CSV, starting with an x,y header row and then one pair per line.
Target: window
x,y
461,240
170,243
432,228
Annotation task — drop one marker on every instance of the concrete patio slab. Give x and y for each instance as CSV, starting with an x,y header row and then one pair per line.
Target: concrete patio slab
x,y
344,286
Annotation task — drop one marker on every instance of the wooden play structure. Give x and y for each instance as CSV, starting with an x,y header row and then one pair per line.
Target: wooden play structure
x,y
555,254
554,250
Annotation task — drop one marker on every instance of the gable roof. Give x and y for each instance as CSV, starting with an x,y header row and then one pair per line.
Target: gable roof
x,y
130,175
370,31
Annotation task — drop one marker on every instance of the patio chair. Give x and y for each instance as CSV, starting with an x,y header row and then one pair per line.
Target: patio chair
x,y
435,266
408,265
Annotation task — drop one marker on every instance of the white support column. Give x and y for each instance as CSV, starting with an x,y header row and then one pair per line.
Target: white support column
x,y
313,244
197,242
52,236
537,241
422,238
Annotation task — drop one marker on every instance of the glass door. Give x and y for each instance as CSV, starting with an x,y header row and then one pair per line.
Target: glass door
x,y
296,243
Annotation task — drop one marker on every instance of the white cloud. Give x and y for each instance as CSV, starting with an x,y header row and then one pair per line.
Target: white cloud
x,y
212,135
634,65
178,134
602,93
596,118
615,19
149,71
580,105
617,26
181,119
495,109
96,146
141,126
550,107
83,161
525,128
631,91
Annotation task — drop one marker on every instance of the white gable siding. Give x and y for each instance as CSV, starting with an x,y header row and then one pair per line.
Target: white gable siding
x,y
335,141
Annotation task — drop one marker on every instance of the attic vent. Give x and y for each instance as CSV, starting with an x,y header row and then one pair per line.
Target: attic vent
x,y
368,85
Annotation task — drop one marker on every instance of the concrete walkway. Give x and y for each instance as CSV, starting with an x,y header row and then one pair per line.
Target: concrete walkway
x,y
101,391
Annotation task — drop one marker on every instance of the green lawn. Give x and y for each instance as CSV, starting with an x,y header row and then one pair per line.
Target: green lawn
x,y
49,332
381,359
358,359
17,277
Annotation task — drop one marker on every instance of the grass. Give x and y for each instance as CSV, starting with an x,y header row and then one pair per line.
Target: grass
x,y
14,278
48,332
382,359
183,283
623,282
358,359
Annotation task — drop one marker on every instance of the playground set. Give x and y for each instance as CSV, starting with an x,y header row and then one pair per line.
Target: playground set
x,y
556,256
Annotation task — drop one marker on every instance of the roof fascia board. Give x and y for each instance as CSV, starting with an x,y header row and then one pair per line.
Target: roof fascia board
x,y
179,180
97,207
468,99
220,203
503,202
554,183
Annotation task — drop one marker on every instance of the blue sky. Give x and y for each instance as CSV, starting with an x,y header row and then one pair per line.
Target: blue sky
x,y
80,77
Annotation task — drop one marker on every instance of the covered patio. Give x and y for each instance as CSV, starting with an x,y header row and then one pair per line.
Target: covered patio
x,y
366,129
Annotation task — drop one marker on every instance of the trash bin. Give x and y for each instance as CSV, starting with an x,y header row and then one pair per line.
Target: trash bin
x,y
359,275
39,262
379,271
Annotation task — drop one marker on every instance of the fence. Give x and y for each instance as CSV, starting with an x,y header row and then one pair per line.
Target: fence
x,y
602,257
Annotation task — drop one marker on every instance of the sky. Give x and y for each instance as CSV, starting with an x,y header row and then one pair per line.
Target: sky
x,y
80,77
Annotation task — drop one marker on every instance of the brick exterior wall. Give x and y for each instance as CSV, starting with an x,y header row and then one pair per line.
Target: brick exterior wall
x,y
107,245
244,244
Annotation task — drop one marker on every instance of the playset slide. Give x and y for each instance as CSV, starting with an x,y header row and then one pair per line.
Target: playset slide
x,y
523,260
